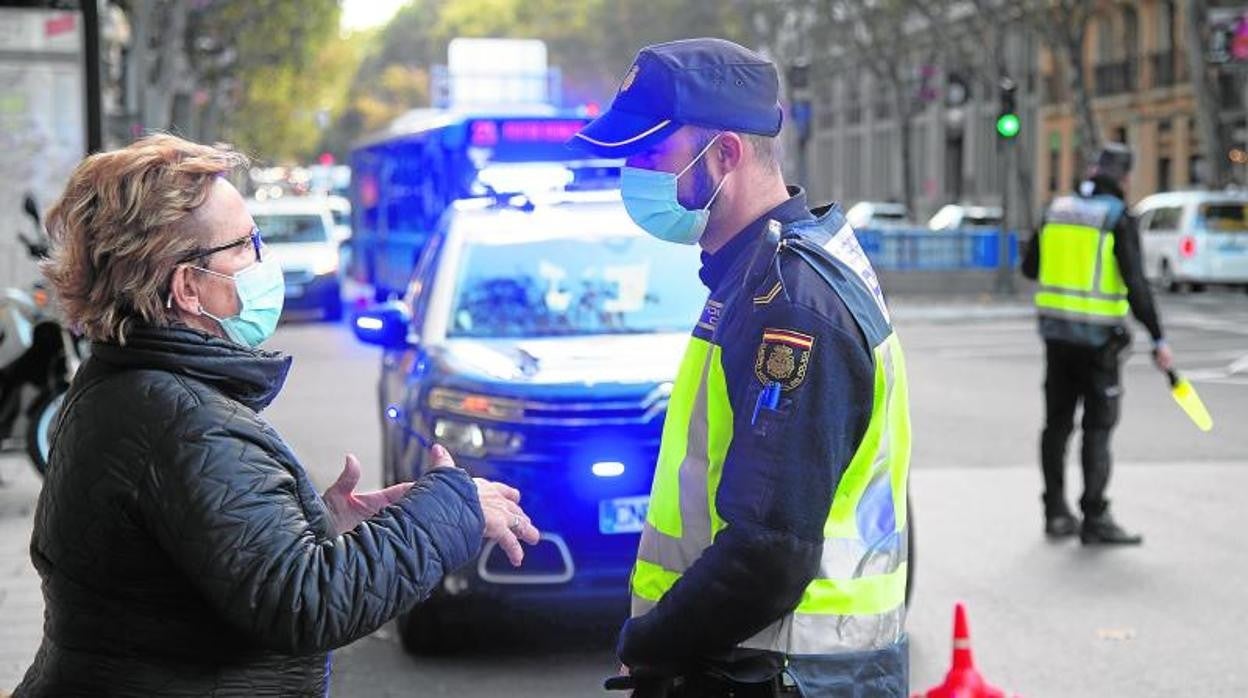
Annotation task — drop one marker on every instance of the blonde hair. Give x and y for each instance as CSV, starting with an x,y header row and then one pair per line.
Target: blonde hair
x,y
122,226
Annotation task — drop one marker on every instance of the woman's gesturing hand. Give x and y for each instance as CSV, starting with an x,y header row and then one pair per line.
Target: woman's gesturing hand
x,y
505,522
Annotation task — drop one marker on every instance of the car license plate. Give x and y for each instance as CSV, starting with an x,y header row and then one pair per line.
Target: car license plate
x,y
293,291
622,515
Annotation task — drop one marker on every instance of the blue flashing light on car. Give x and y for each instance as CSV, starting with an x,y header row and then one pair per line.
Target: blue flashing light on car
x,y
369,324
607,469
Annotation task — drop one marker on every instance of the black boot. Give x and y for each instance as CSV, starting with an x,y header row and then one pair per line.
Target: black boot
x,y
1058,521
1103,530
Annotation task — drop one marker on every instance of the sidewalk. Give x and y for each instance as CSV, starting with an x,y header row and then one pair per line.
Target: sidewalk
x,y
21,604
1060,619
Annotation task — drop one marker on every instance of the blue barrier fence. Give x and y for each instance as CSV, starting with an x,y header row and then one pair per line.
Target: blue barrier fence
x,y
924,250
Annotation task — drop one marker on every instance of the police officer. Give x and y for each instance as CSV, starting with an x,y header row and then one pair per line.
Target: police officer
x,y
773,559
1086,258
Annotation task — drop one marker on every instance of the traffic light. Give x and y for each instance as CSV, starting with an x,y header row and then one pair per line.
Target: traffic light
x,y
1008,123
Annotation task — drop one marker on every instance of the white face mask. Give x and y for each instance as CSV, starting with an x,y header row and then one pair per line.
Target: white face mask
x,y
651,199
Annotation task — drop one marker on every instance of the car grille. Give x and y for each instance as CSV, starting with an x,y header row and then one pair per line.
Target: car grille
x,y
615,412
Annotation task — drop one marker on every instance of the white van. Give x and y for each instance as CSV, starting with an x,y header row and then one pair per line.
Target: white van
x,y
1193,238
301,233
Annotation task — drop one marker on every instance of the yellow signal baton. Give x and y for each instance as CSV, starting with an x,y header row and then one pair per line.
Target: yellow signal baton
x,y
1184,394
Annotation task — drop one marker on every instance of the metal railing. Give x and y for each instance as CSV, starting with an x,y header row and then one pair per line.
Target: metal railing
x,y
1166,68
1116,78
926,250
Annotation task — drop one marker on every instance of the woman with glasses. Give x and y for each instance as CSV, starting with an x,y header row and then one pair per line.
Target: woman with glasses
x,y
182,547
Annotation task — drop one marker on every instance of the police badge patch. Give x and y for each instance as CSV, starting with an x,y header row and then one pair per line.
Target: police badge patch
x,y
783,357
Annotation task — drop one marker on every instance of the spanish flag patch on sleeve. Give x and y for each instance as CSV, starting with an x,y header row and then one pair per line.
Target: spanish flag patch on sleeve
x,y
783,357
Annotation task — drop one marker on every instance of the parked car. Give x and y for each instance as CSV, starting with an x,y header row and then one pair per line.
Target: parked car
x,y
1194,238
538,343
965,217
868,215
301,233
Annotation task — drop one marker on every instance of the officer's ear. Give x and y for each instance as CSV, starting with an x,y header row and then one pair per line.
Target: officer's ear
x,y
729,152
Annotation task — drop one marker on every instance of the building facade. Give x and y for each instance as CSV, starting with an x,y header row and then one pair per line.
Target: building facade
x,y
1137,76
1142,95
854,150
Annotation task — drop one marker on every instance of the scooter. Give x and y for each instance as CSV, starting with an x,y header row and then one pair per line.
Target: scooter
x,y
39,356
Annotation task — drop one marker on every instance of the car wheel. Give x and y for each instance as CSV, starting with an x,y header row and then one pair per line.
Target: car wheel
x,y
428,630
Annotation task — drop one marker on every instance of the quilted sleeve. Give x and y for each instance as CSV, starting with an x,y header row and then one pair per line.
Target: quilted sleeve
x,y
249,532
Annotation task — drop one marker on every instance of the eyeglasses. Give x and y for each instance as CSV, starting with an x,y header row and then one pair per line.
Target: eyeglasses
x,y
253,237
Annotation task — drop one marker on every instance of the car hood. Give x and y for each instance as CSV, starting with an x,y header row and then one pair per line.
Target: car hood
x,y
585,361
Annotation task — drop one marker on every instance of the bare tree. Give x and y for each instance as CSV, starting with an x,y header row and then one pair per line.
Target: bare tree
x,y
1064,26
1208,108
158,70
893,40
977,33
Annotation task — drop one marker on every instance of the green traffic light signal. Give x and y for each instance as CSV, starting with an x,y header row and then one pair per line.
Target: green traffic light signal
x,y
1008,125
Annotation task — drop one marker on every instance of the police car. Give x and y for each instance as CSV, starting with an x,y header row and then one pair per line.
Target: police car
x,y
537,342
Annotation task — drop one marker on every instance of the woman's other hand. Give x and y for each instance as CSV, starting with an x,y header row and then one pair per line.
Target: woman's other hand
x,y
505,522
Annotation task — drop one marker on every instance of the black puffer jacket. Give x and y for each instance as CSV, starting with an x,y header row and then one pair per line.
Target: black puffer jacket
x,y
183,549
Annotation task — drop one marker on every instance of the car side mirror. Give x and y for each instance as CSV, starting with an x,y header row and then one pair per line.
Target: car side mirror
x,y
385,325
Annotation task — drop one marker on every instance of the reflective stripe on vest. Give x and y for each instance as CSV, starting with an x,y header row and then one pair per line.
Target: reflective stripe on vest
x,y
857,600
1079,275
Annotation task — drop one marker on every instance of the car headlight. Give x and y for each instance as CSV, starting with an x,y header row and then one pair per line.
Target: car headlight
x,y
474,440
479,406
326,263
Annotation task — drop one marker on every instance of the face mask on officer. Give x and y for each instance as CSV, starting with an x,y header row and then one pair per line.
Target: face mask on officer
x,y
651,199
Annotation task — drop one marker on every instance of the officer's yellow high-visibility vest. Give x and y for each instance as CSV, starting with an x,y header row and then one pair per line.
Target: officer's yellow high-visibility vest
x,y
1079,276
857,600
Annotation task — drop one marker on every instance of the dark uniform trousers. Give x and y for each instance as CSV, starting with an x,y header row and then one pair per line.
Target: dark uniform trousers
x,y
1077,373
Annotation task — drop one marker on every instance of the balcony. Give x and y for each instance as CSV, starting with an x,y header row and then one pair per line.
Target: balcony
x,y
1055,91
1115,78
1168,69
853,113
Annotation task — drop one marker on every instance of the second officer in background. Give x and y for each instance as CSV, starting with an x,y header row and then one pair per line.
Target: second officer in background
x,y
1087,260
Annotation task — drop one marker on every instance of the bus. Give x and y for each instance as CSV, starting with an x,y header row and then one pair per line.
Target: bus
x,y
405,179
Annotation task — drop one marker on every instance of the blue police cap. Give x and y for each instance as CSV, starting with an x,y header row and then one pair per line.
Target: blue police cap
x,y
711,83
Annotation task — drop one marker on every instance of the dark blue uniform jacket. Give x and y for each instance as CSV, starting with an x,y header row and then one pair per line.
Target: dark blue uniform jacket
x,y
781,469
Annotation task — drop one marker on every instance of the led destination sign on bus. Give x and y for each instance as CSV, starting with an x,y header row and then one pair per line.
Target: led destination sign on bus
x,y
488,133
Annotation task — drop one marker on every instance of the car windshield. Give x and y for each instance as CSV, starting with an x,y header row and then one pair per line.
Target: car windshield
x,y
559,286
1229,217
279,229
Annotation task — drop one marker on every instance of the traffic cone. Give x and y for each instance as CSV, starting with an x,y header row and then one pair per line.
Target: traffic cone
x,y
962,681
